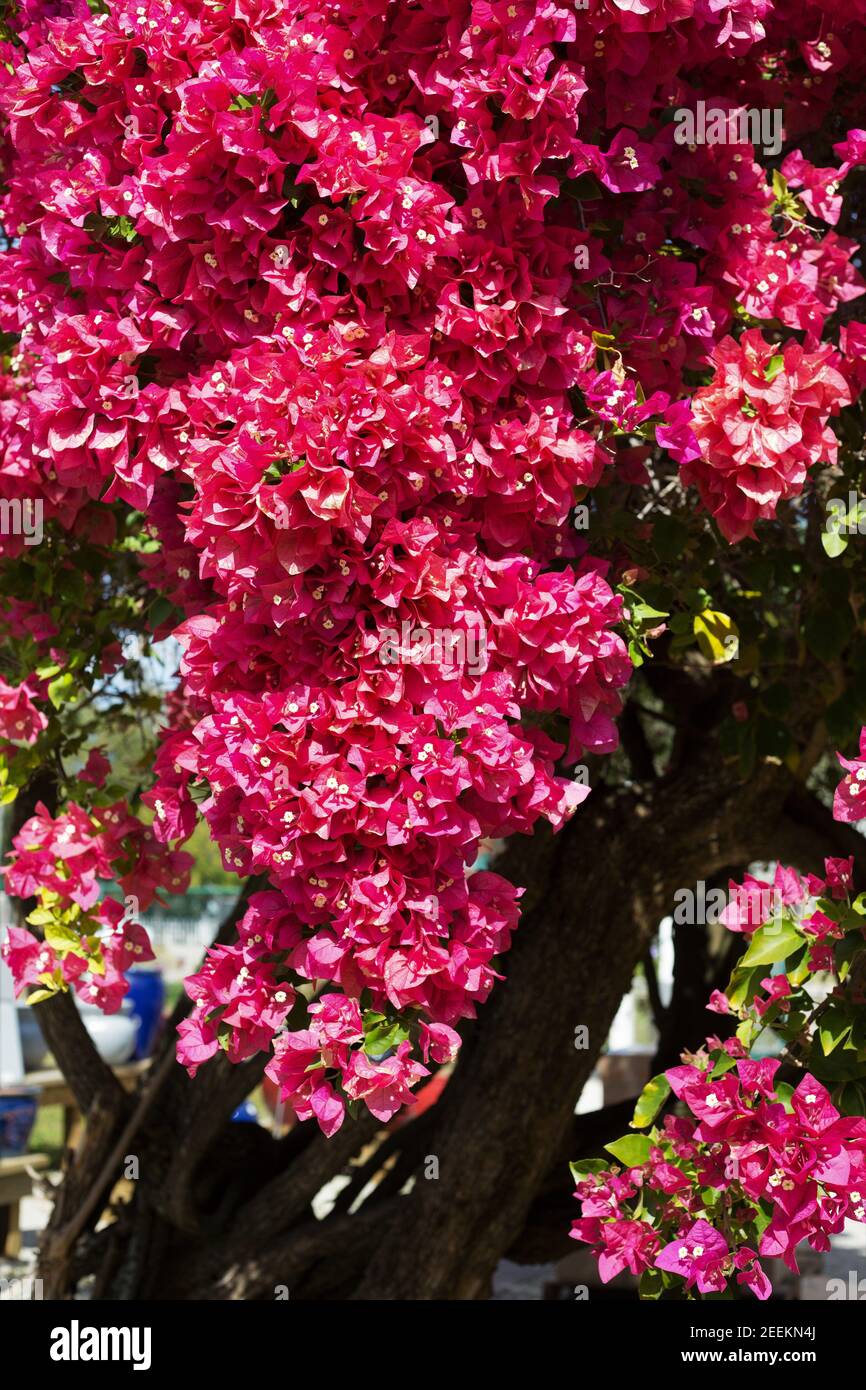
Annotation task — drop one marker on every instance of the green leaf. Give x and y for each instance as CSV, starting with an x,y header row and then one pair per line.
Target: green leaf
x,y
585,1166
724,1063
61,690
381,1034
643,614
742,986
584,189
96,961
650,1101
632,1150
123,228
200,791
744,1035
62,939
41,917
651,1284
798,970
834,543
851,1099
773,942
718,636
774,367
39,995
834,1027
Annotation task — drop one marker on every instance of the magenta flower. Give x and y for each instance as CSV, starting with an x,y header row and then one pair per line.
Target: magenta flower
x,y
20,720
701,1255
846,803
628,1245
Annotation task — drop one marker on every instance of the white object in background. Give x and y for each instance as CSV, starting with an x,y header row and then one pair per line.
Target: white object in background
x,y
11,1060
591,1097
665,960
622,1034
113,1035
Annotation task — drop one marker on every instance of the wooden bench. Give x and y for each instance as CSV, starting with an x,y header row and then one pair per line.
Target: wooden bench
x,y
53,1089
16,1181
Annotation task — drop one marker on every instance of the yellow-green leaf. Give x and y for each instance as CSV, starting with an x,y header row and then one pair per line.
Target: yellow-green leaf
x,y
773,942
718,636
632,1150
650,1101
40,917
39,994
62,939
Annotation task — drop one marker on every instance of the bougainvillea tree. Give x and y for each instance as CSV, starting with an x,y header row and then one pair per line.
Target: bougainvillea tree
x,y
491,456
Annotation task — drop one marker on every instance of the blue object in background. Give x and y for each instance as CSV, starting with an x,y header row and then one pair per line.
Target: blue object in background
x,y
17,1117
147,996
246,1114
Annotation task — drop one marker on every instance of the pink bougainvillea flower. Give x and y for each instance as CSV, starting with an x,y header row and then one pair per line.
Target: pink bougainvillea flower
x,y
760,425
96,769
628,1245
20,720
852,789
700,1254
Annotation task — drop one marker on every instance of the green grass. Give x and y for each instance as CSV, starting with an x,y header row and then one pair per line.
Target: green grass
x,y
47,1134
